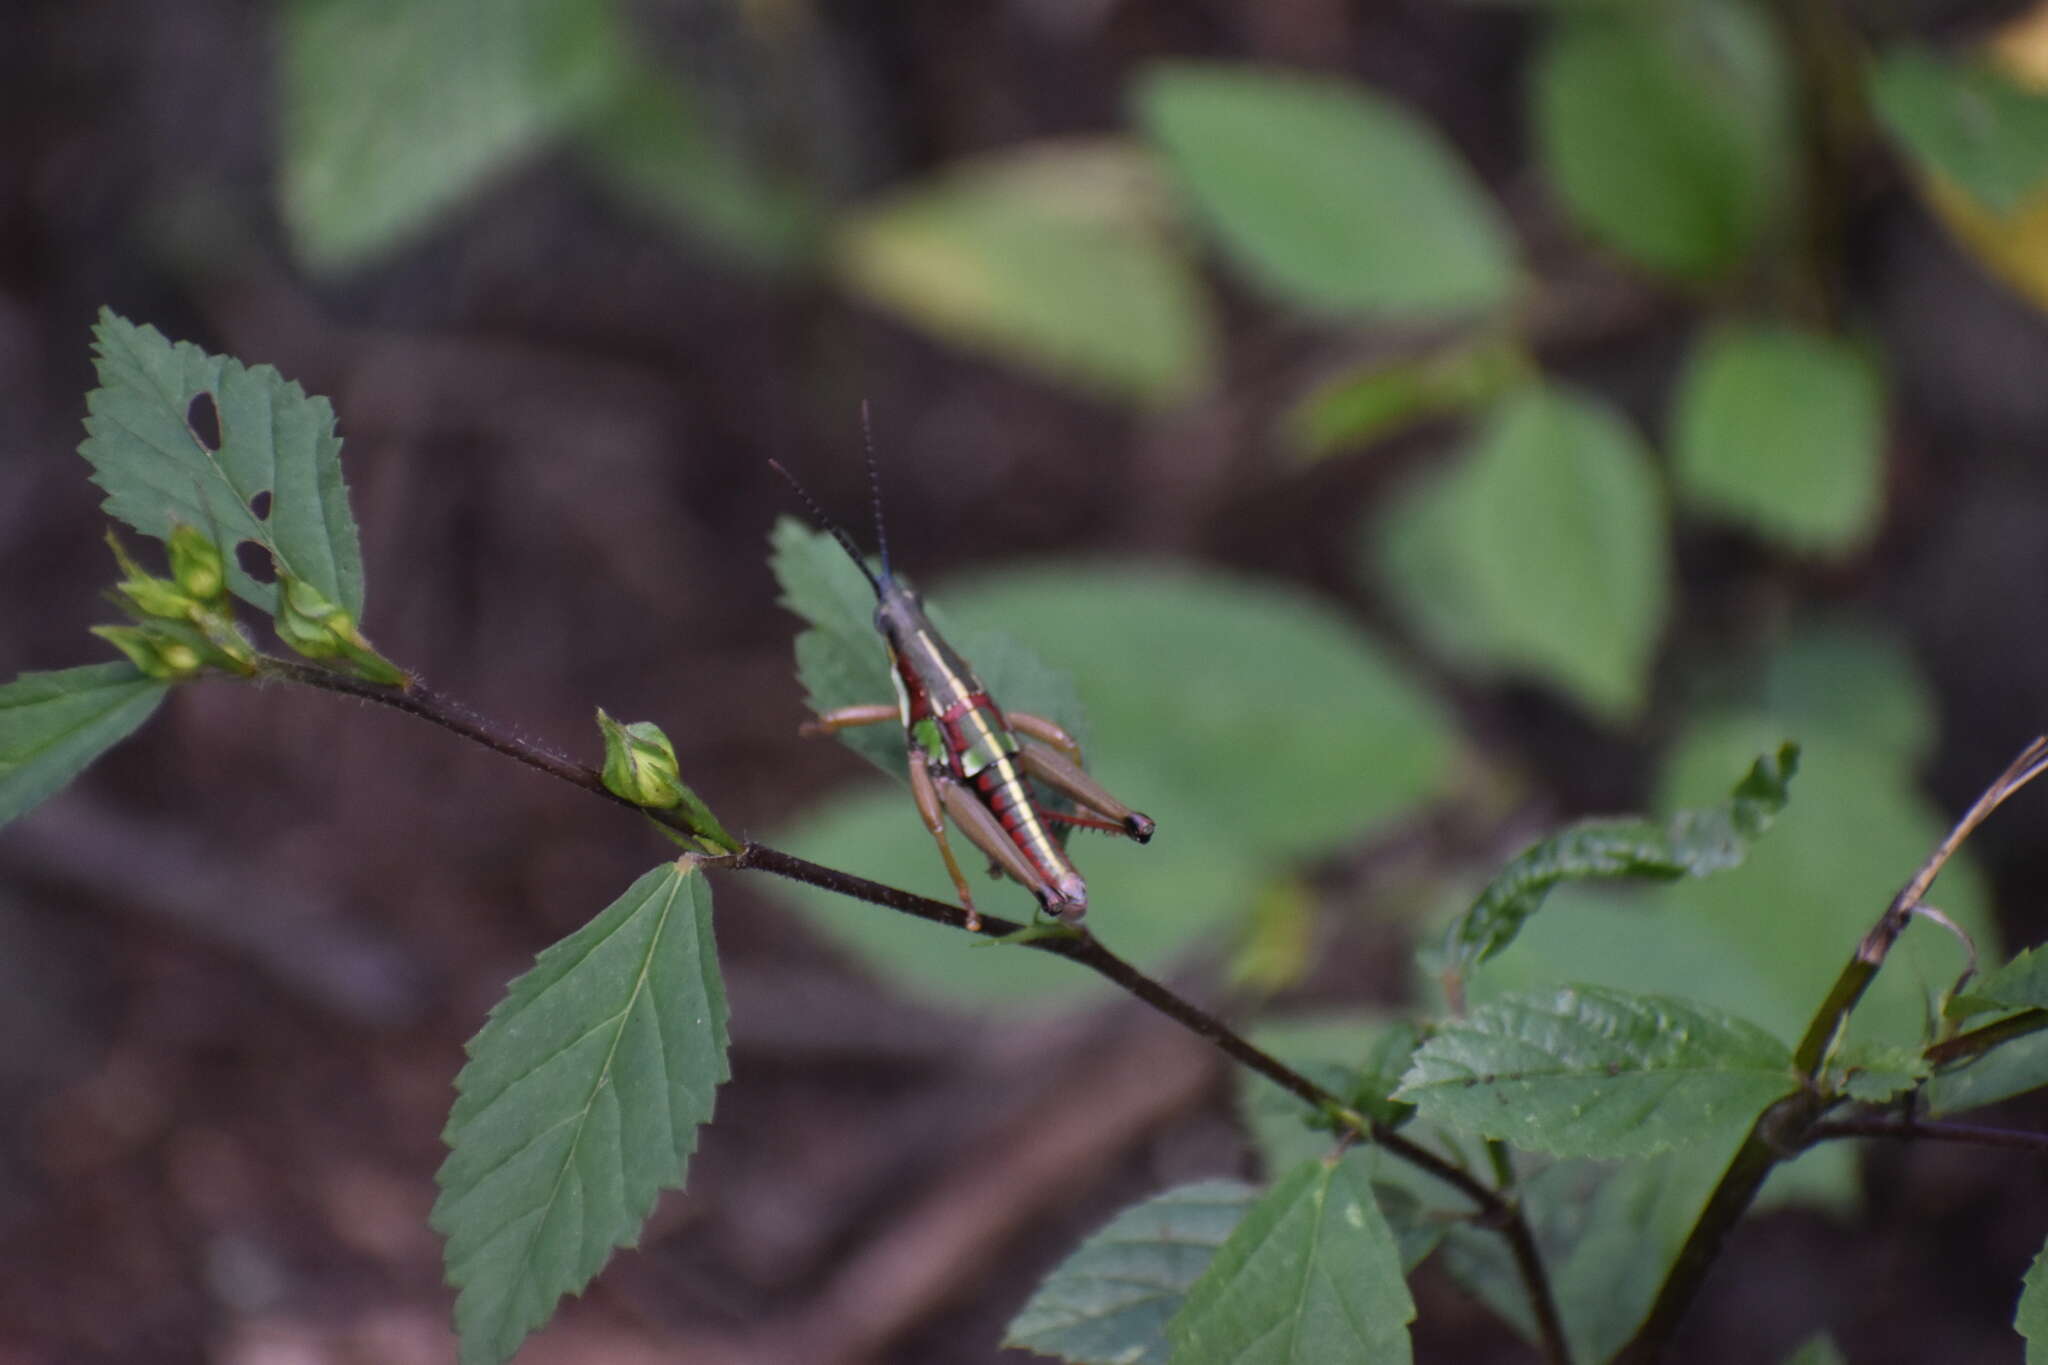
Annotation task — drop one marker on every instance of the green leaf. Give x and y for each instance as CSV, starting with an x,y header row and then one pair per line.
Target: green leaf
x,y
52,725
1544,554
1054,257
1334,198
1359,1058
580,1103
1966,122
1854,681
2030,1320
1766,940
275,442
1783,431
1109,1302
394,113
2011,1068
1588,1071
658,151
1311,1274
1668,131
2020,984
1876,1074
1382,398
1692,843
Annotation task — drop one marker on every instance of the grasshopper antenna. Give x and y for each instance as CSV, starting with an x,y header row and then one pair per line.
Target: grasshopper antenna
x,y
867,436
838,532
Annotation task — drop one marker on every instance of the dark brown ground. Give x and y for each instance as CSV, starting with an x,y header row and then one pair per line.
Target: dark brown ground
x,y
238,962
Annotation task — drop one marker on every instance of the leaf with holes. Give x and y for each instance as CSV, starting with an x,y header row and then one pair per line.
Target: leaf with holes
x,y
1312,1274
1586,1071
53,724
1109,1302
162,467
580,1103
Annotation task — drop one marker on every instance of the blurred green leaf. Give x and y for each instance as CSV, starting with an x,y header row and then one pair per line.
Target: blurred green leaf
x,y
1818,1350
1783,431
52,725
2030,1320
1692,843
1852,681
2012,1068
1053,257
1668,130
1544,553
657,150
1383,398
2019,984
1589,1071
1311,1274
580,1102
1359,1058
1197,684
394,113
159,471
1333,197
1766,940
1109,1302
1965,121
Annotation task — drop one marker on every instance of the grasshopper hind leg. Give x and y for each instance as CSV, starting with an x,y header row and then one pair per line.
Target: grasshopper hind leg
x,y
1061,773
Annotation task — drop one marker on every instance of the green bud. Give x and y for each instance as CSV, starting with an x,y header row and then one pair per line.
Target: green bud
x,y
168,660
318,629
145,593
640,766
197,565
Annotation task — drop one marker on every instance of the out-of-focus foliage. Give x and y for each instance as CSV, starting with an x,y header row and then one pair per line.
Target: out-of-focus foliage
x,y
1055,256
1332,197
1542,554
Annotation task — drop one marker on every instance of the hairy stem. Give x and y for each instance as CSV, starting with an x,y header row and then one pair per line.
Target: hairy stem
x,y
1077,945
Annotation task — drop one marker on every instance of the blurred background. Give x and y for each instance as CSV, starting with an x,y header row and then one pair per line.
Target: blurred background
x,y
1410,424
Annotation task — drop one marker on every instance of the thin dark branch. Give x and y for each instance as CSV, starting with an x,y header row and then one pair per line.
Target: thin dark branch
x,y
1077,946
1910,1129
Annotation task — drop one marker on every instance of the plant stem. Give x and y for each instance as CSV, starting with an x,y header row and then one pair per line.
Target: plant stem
x,y
1910,1128
1079,946
1978,1041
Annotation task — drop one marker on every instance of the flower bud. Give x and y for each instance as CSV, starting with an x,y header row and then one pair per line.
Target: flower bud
x,y
196,564
640,766
159,657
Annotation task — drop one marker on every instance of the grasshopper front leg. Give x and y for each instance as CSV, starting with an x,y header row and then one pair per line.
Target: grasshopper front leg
x,y
1050,754
925,792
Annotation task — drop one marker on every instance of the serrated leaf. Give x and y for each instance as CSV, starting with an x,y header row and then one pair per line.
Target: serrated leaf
x,y
1668,130
1588,1071
275,442
1783,431
1333,197
1311,1274
1692,843
1109,1302
52,725
1876,1074
2019,984
1543,554
2030,1319
1054,257
1969,123
394,113
657,150
580,1102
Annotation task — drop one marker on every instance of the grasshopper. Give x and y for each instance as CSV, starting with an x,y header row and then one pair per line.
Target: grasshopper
x,y
968,758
